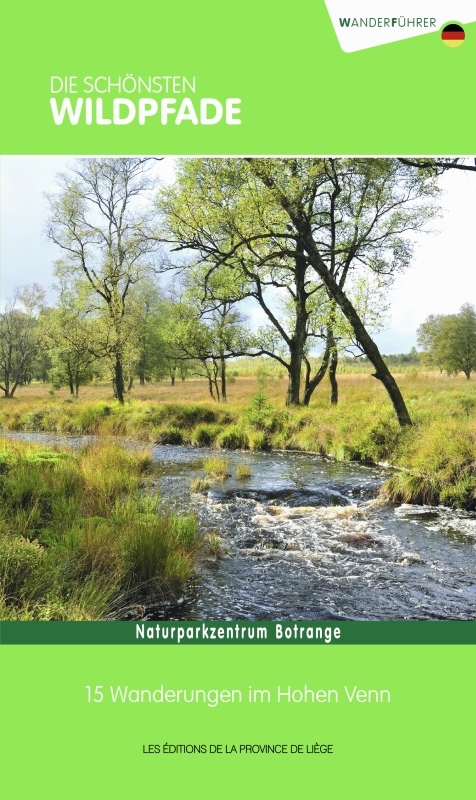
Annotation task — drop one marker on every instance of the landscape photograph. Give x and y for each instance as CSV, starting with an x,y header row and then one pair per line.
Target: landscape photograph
x,y
238,388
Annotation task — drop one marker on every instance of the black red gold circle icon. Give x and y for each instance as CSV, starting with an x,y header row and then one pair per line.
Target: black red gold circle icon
x,y
453,35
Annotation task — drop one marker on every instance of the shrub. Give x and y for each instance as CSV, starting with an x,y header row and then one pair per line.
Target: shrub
x,y
263,416
90,417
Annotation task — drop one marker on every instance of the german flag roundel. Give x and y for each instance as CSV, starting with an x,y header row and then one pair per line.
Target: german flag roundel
x,y
453,35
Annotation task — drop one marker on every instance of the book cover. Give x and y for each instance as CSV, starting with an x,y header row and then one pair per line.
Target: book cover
x,y
237,356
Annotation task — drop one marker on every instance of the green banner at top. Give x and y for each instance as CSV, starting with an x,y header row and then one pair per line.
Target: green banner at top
x,y
205,83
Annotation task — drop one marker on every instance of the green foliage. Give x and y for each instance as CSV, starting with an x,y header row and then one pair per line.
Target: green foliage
x,y
170,436
233,438
18,336
184,416
264,419
363,210
449,341
77,539
380,441
259,440
160,548
216,468
259,409
19,560
205,435
243,471
437,453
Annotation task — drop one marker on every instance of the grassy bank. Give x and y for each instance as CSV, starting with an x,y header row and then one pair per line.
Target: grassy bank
x,y
437,455
78,537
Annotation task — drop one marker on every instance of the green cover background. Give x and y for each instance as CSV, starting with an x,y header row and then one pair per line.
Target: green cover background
x,y
56,745
300,95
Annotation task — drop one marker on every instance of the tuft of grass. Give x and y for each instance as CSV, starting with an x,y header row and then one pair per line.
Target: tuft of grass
x,y
243,471
233,438
205,435
20,559
199,485
259,440
158,550
216,468
170,436
77,538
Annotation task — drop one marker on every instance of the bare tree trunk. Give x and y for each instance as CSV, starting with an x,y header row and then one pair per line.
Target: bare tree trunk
x,y
312,383
333,379
70,380
294,383
119,380
298,341
223,379
215,379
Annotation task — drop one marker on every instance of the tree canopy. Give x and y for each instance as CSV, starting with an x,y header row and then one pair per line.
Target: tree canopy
x,y
309,229
449,341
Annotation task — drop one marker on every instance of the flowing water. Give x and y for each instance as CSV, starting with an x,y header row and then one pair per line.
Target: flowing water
x,y
305,538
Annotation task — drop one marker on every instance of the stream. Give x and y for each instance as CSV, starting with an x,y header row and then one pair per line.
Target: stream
x,y
305,538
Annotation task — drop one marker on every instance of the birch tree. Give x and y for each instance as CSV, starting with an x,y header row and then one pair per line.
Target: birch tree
x,y
98,218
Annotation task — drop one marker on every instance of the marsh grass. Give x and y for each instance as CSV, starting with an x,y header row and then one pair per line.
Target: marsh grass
x,y
199,485
78,539
216,469
438,453
160,547
243,471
